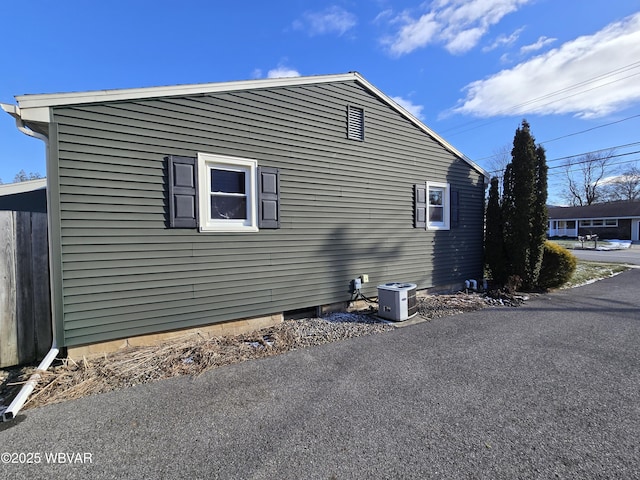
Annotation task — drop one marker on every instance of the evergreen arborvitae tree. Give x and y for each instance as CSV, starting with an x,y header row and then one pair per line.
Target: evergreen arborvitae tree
x,y
539,215
524,206
495,255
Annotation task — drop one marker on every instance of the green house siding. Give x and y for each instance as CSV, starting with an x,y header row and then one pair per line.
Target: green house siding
x,y
346,209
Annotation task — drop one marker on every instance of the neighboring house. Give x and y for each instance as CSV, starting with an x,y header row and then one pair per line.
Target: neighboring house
x,y
182,206
615,220
28,196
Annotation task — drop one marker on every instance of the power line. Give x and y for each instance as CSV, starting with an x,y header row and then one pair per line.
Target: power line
x,y
586,82
578,133
585,154
552,94
577,164
593,152
589,129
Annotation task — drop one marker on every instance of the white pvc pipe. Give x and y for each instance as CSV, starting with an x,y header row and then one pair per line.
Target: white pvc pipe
x,y
473,284
18,402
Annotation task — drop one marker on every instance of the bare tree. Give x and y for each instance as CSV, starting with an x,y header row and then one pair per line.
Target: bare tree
x,y
625,186
499,160
498,163
23,176
585,176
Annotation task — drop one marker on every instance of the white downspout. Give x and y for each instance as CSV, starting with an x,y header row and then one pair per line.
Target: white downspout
x,y
26,390
18,402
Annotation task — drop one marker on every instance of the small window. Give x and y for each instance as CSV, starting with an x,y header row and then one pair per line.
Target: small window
x,y
585,223
611,222
438,206
227,196
355,123
597,222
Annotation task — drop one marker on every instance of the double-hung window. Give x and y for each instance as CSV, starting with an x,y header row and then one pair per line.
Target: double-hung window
x,y
218,193
438,206
228,196
435,206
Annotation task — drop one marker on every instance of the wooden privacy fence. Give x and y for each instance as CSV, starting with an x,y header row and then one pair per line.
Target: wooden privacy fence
x,y
25,306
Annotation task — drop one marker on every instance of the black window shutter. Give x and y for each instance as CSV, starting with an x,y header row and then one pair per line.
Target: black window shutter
x,y
420,206
455,208
268,197
183,192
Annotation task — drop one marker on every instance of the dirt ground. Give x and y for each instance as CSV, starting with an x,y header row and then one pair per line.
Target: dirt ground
x,y
192,355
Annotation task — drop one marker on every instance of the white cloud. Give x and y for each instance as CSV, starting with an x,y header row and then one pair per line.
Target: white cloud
x,y
415,110
590,76
458,24
504,40
415,34
538,45
330,20
282,72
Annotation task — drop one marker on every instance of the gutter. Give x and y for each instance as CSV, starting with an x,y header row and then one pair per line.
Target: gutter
x,y
10,412
15,112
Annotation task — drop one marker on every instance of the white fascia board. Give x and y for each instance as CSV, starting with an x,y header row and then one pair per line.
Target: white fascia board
x,y
40,114
75,98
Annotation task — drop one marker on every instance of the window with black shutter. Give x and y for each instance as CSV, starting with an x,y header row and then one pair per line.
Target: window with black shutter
x,y
435,206
217,193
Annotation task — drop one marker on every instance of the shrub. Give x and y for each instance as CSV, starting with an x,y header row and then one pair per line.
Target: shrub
x,y
558,265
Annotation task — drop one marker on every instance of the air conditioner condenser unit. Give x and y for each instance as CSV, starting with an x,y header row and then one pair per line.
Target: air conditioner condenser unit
x,y
397,301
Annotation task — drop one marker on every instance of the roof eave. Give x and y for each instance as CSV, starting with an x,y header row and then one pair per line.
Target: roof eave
x,y
75,98
36,108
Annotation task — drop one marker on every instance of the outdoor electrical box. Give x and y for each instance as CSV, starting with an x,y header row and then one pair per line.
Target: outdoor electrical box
x,y
397,301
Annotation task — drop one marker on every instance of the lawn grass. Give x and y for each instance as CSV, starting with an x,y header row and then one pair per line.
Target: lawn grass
x,y
587,272
588,244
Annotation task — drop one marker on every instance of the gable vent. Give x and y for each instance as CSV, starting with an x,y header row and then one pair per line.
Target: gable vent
x,y
355,123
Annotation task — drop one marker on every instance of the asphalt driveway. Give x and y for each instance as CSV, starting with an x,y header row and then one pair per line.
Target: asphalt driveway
x,y
547,390
627,256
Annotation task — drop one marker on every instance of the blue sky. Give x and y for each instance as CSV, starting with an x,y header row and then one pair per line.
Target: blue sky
x,y
470,69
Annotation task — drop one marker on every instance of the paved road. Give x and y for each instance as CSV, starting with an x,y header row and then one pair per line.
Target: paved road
x,y
547,390
630,256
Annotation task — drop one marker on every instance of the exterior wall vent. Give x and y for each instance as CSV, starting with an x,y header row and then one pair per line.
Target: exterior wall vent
x,y
397,301
355,123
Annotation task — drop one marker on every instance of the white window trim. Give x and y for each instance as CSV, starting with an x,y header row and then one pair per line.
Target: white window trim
x,y
590,222
446,207
206,161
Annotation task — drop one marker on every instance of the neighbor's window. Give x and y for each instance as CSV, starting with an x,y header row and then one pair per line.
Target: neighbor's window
x,y
227,196
438,206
